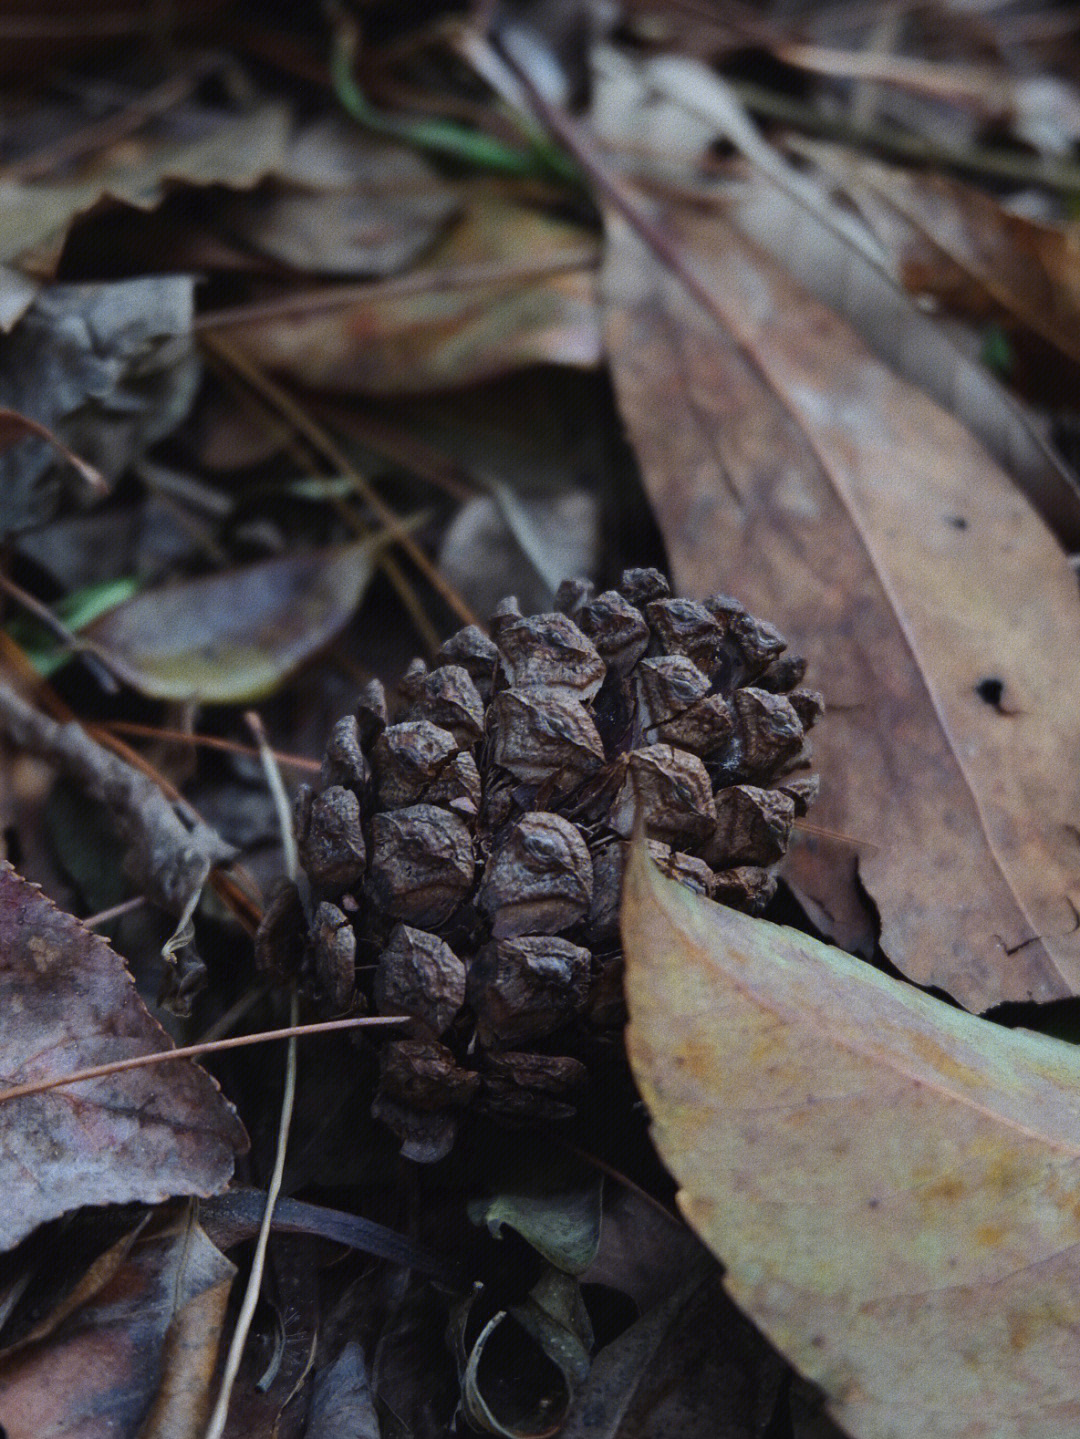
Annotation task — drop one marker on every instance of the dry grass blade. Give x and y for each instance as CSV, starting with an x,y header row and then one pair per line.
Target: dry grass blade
x,y
191,1051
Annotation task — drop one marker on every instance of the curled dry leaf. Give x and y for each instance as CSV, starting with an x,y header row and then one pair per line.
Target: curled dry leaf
x,y
234,637
890,1183
195,145
108,369
789,466
147,1134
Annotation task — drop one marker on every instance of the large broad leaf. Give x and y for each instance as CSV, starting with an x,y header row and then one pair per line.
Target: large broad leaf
x,y
890,1183
235,637
790,467
144,1134
824,246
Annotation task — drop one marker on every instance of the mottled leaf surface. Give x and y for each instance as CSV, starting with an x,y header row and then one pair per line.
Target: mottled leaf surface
x,y
68,1003
483,319
234,637
790,467
890,1183
136,1362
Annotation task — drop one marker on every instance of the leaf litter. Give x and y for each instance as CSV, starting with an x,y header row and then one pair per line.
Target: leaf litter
x,y
415,260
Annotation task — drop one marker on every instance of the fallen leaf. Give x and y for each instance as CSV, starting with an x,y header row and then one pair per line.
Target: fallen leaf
x,y
146,1134
555,1206
191,145
450,332
135,1361
341,1399
108,369
521,1373
503,543
790,467
1007,262
346,203
791,214
235,637
691,1367
913,344
890,1183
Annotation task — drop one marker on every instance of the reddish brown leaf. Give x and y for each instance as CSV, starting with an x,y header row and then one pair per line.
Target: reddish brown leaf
x,y
147,1134
790,467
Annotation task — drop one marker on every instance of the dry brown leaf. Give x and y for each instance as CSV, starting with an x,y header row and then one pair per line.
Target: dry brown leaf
x,y
237,150
889,1182
233,637
134,1362
829,250
1002,261
465,328
147,1134
914,344
789,466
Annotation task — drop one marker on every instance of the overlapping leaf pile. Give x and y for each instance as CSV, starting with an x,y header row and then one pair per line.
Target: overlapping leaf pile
x,y
316,342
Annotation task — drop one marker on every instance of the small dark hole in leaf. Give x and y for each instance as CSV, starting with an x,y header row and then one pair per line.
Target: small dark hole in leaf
x,y
991,691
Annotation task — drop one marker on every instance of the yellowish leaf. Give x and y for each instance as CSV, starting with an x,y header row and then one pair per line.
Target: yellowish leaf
x,y
891,1184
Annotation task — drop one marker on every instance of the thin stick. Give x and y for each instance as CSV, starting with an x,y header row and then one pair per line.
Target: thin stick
x,y
205,741
93,660
328,298
216,1426
192,1051
104,915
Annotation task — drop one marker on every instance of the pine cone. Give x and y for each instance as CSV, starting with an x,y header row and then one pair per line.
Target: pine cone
x,y
469,856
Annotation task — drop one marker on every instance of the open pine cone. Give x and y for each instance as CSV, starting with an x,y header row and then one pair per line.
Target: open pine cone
x,y
469,856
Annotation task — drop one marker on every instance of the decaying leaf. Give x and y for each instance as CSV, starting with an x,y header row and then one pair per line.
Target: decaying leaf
x,y
453,331
68,1003
555,1206
135,1362
816,239
234,637
789,466
108,369
890,1183
346,203
691,1367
